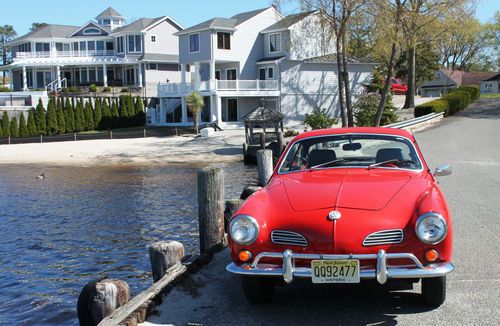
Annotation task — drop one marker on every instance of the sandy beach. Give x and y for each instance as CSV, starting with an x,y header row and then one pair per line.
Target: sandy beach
x,y
224,146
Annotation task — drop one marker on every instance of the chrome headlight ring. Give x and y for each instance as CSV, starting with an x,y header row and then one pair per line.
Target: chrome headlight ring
x,y
244,229
431,228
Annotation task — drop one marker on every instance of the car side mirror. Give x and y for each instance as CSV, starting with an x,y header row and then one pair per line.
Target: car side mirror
x,y
442,170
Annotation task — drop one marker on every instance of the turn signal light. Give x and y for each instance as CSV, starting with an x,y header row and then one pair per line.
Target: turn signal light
x,y
244,255
431,255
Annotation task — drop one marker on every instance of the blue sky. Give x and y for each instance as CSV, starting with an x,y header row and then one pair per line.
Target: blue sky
x,y
21,13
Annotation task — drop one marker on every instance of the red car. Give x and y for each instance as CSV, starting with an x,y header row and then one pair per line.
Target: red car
x,y
398,86
345,205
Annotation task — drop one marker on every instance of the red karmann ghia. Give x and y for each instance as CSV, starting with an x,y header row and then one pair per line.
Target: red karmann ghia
x,y
344,205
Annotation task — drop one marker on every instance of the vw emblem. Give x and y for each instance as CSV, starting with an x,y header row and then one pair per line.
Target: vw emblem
x,y
334,215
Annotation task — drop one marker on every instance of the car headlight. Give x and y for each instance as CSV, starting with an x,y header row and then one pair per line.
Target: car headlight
x,y
244,229
431,228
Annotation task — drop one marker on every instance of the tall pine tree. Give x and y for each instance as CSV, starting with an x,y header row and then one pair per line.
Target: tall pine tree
x,y
14,128
23,130
89,116
5,124
51,118
130,108
79,118
106,116
115,116
61,122
69,116
1,132
97,114
140,117
40,119
31,126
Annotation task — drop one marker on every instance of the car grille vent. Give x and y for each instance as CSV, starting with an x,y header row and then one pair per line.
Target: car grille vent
x,y
384,237
288,238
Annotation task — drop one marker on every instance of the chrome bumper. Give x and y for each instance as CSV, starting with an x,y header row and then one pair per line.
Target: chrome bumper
x,y
381,273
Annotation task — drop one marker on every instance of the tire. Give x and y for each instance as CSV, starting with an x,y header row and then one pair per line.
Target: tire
x,y
258,290
434,291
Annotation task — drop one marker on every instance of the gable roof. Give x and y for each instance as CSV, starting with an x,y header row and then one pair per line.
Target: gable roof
x,y
47,31
493,78
109,12
223,23
137,25
92,25
288,21
449,77
263,114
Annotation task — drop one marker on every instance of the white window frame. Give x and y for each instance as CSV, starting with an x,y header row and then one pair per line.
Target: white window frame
x,y
134,36
265,73
189,42
121,40
280,43
85,31
153,38
220,73
150,65
236,73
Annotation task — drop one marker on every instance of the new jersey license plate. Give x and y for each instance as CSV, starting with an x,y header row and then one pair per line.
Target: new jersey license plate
x,y
335,271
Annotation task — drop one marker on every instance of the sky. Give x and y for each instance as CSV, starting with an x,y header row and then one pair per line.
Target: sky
x,y
21,13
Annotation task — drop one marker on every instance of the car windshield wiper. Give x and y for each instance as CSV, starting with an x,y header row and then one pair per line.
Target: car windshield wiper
x,y
395,161
312,168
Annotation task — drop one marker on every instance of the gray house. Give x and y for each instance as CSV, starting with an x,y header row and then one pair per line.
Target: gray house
x,y
105,51
234,62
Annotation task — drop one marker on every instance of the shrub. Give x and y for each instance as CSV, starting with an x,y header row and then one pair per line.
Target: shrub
x,y
1,132
319,119
79,118
64,90
89,117
14,128
5,124
92,88
115,116
472,90
140,117
438,106
40,119
61,123
31,126
365,110
4,89
456,100
69,116
23,130
73,89
106,89
51,118
290,133
106,116
124,90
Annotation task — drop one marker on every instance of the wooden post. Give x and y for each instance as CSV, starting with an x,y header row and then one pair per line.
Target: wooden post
x,y
100,299
74,135
163,255
265,165
210,208
281,142
262,140
249,190
232,205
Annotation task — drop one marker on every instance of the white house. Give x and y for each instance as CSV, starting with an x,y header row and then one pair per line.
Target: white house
x,y
234,62
106,51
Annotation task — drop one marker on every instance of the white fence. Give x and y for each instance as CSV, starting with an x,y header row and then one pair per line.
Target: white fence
x,y
64,54
222,85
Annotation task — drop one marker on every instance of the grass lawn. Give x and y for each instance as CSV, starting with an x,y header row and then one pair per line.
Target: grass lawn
x,y
493,95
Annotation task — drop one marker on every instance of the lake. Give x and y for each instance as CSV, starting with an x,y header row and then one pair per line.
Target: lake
x,y
78,223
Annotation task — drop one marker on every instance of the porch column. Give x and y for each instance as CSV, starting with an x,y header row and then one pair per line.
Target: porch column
x,y
183,73
139,74
184,109
58,74
213,109
197,78
218,101
11,80
212,69
104,75
25,79
33,78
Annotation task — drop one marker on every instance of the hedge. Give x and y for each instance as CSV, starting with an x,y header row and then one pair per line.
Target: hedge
x,y
456,100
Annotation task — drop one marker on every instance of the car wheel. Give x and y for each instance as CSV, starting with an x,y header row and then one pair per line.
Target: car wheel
x,y
258,290
434,290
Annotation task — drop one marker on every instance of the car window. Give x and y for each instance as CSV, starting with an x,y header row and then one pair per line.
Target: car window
x,y
354,150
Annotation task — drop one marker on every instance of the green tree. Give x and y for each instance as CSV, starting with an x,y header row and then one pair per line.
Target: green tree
x,y
35,26
89,116
365,110
5,124
69,116
61,122
123,111
1,132
14,128
79,117
106,115
97,113
115,116
195,103
7,34
23,130
130,109
51,118
140,117
319,119
40,119
31,126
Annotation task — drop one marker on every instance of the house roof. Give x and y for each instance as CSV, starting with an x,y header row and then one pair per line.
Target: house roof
x,y
263,114
287,21
270,59
159,57
495,77
223,23
449,77
137,25
109,12
48,31
473,78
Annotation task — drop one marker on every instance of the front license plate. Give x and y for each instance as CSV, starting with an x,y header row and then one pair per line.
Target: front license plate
x,y
335,271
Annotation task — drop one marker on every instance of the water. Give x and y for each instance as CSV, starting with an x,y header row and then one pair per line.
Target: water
x,y
81,222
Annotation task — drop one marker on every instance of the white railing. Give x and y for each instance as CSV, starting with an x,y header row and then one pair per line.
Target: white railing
x,y
221,85
64,54
56,84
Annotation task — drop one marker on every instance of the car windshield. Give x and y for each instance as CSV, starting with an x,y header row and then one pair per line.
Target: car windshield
x,y
352,150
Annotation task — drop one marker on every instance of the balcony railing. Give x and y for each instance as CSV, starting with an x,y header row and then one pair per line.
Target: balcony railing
x,y
64,54
220,85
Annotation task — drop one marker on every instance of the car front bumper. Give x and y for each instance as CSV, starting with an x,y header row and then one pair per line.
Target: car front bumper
x,y
382,272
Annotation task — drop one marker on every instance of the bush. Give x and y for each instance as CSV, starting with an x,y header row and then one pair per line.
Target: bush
x,y
124,90
319,119
365,110
472,90
290,133
31,126
73,89
69,116
64,90
5,124
14,128
106,89
40,119
456,100
4,89
92,88
89,116
438,106
52,127
23,130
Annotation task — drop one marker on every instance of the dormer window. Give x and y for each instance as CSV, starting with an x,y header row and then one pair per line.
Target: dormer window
x,y
91,31
275,42
106,22
194,42
224,41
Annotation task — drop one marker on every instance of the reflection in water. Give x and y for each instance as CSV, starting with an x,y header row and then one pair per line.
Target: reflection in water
x,y
81,222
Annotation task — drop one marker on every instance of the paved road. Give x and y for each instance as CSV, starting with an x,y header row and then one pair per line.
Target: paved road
x,y
471,142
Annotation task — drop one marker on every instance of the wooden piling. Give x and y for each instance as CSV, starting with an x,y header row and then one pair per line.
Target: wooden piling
x,y
211,208
232,205
163,255
265,165
100,299
249,190
74,135
262,140
281,143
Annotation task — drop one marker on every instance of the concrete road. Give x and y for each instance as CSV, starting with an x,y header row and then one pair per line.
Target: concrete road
x,y
471,142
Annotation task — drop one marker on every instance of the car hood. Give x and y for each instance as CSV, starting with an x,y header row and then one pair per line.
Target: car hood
x,y
329,188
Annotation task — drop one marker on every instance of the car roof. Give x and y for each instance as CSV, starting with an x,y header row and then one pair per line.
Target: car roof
x,y
355,130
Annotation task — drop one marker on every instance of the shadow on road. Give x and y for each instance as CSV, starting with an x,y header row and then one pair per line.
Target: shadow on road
x,y
482,109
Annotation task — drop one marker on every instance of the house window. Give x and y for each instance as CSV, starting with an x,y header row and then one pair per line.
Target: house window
x,y
91,45
231,74
100,45
194,42
106,22
42,47
91,31
109,46
153,38
217,74
153,66
134,43
66,47
275,42
270,72
262,73
83,46
119,44
224,41
25,47
92,75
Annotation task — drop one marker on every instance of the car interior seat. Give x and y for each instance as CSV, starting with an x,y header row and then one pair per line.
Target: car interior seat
x,y
320,156
386,154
